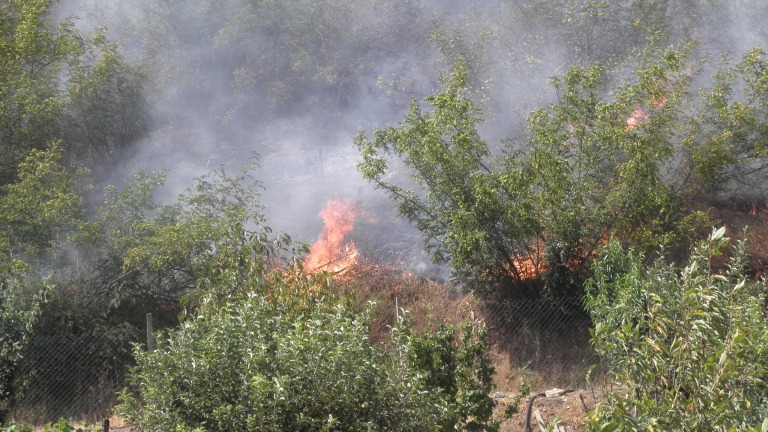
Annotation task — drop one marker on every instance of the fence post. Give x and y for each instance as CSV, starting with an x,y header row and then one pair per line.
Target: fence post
x,y
398,309
150,338
105,425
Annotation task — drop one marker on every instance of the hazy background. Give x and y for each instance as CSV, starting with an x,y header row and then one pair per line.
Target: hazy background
x,y
294,80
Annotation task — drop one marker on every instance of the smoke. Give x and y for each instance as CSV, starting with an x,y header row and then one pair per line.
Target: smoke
x,y
294,81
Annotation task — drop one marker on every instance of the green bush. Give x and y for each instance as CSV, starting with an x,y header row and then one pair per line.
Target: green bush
x,y
525,221
58,426
263,364
17,427
688,348
460,376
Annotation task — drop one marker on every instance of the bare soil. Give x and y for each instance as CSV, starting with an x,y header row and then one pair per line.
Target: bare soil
x,y
568,407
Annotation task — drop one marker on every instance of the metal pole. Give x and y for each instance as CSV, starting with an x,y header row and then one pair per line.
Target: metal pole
x,y
150,338
105,425
398,309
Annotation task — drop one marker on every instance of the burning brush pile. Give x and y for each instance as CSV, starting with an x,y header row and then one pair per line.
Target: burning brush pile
x,y
331,253
338,255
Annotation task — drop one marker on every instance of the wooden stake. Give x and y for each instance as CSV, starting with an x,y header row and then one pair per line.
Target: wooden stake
x,y
150,338
583,404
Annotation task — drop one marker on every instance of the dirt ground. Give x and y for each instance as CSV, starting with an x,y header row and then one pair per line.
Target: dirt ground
x,y
568,407
118,424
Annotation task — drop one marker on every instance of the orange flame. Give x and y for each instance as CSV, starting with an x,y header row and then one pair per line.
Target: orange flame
x,y
532,265
528,266
637,118
331,253
640,114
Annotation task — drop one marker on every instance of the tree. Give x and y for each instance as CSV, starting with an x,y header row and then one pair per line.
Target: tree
x,y
287,53
106,113
630,161
61,273
46,72
724,132
37,213
141,256
514,224
33,55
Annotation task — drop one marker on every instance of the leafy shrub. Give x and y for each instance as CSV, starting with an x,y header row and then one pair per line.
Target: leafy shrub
x,y
461,376
260,363
58,426
17,427
36,213
688,348
64,426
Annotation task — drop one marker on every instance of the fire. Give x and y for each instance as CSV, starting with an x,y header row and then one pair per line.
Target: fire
x,y
331,253
640,114
755,210
527,266
637,118
533,265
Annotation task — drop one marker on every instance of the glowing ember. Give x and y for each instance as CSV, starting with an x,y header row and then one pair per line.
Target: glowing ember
x,y
755,210
331,253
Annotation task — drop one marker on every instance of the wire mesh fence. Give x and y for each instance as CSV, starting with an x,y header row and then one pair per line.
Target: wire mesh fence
x,y
547,337
72,376
555,314
78,376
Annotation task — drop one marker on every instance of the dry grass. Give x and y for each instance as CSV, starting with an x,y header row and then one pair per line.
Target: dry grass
x,y
545,358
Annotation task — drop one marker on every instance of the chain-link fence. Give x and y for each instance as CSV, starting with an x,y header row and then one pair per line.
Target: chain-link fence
x,y
548,337
72,376
77,376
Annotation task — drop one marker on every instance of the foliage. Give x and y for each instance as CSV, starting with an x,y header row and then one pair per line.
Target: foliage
x,y
138,256
41,209
58,426
461,376
32,57
63,274
17,318
550,35
288,54
37,212
64,426
265,363
687,347
106,112
17,427
514,406
724,133
551,426
629,160
46,67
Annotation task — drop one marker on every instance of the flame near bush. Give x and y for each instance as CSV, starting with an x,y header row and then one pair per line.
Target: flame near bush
x,y
331,252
